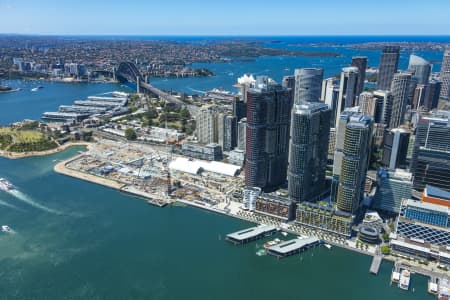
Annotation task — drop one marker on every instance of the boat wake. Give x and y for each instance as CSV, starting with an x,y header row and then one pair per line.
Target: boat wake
x,y
198,91
8,205
26,199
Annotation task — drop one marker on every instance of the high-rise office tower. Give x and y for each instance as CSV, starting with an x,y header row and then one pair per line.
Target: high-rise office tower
x,y
227,131
206,125
308,85
356,151
347,89
326,83
383,108
288,82
445,75
330,95
368,104
267,136
430,163
420,93
401,89
421,68
242,128
361,63
310,129
395,148
432,95
388,67
339,137
393,187
239,108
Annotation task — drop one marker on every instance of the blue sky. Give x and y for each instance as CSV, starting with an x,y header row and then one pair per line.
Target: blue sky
x,y
226,17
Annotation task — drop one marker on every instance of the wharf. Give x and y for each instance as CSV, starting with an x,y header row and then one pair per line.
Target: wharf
x,y
157,202
293,246
376,262
251,234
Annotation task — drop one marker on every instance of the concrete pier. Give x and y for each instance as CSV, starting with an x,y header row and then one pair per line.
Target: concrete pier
x,y
375,266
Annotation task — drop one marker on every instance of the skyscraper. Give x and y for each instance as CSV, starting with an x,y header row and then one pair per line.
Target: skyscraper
x,y
421,68
388,67
445,75
308,85
367,103
432,95
310,128
339,134
395,148
227,131
239,108
242,128
357,146
206,125
330,95
361,63
383,109
267,136
347,89
420,93
393,187
430,163
288,82
401,88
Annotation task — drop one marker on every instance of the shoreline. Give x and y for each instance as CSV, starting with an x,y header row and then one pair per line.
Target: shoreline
x,y
229,209
18,155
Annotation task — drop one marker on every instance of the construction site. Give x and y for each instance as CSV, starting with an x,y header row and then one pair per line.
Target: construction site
x,y
154,173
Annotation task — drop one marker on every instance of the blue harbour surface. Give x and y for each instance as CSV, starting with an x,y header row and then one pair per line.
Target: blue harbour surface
x,y
78,240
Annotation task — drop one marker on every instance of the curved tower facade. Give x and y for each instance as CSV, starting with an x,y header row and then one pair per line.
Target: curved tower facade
x,y
357,146
421,68
310,128
267,136
308,85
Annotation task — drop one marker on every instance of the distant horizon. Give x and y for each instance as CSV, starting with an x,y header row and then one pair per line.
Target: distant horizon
x,y
224,35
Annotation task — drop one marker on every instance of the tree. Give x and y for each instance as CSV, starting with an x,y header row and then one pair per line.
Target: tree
x,y
130,134
385,237
385,250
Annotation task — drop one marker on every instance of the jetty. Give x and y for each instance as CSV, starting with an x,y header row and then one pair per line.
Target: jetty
x,y
293,246
251,234
376,262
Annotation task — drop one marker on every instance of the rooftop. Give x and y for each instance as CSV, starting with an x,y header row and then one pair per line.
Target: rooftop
x,y
428,206
294,244
435,192
251,232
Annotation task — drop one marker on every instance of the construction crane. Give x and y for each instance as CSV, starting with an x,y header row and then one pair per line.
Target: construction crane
x,y
168,160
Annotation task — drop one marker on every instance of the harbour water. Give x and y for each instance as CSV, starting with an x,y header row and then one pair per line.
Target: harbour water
x,y
26,104
77,240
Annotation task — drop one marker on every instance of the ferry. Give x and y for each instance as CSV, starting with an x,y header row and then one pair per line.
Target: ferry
x,y
271,243
395,276
6,229
405,277
5,185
